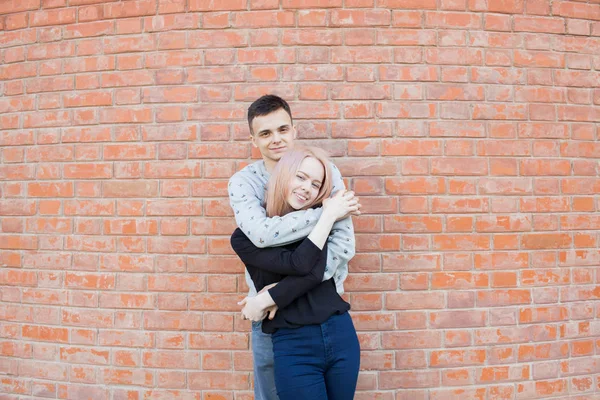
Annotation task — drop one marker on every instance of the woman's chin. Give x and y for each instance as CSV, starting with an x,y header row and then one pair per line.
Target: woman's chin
x,y
296,206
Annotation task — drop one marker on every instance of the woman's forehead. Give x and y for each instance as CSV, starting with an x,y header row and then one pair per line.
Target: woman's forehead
x,y
312,167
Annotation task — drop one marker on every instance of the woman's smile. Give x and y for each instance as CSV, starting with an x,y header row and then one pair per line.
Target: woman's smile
x,y
300,197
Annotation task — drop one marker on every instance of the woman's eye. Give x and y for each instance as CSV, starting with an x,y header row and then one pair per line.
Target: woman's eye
x,y
300,177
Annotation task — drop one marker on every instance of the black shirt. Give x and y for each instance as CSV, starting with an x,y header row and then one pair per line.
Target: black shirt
x,y
312,301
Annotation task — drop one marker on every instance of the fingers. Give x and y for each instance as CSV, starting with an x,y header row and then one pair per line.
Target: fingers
x,y
354,210
353,202
243,301
345,201
244,316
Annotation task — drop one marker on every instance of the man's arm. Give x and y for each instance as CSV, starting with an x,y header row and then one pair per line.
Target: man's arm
x,y
246,201
341,243
341,250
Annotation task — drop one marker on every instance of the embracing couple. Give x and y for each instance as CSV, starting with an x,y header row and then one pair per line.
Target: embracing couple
x,y
295,236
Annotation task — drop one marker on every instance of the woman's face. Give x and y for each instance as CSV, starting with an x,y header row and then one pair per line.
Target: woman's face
x,y
305,184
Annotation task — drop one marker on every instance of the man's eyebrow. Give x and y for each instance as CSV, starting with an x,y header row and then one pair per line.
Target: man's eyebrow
x,y
284,126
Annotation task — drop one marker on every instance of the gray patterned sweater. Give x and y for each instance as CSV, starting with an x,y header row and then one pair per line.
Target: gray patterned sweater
x,y
247,196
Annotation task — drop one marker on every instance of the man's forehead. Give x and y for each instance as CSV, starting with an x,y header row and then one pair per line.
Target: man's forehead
x,y
269,126
273,120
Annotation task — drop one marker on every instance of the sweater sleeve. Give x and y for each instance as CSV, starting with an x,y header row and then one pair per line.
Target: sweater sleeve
x,y
299,261
251,217
292,287
341,242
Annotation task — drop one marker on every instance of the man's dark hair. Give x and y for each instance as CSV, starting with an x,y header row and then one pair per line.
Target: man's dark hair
x,y
266,105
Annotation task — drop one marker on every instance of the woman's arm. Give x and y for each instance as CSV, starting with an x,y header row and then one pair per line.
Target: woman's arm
x,y
340,205
276,259
255,308
308,255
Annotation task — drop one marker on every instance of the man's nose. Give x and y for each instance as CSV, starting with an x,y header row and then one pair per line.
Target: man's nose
x,y
276,137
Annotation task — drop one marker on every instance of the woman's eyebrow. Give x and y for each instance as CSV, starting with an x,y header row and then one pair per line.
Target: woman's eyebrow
x,y
308,176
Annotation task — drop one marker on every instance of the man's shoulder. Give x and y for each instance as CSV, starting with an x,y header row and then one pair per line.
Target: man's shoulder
x,y
249,171
335,171
250,176
333,166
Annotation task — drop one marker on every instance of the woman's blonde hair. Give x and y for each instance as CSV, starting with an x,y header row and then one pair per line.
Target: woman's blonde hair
x,y
284,172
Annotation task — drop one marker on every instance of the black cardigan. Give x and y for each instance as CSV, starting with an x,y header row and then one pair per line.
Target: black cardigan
x,y
303,299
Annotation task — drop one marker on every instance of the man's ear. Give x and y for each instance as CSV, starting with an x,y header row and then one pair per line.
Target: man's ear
x,y
253,140
295,132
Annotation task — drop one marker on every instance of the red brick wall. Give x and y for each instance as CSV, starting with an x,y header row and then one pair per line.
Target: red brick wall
x,y
468,127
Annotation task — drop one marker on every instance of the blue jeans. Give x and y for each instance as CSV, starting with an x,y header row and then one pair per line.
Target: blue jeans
x,y
317,361
262,354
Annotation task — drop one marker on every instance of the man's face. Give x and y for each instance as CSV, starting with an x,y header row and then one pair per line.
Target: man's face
x,y
273,135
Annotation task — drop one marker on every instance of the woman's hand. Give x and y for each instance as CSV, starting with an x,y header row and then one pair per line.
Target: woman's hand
x,y
338,207
256,308
272,285
271,311
252,309
341,204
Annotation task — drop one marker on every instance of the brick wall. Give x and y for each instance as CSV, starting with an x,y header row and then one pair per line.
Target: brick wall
x,y
468,127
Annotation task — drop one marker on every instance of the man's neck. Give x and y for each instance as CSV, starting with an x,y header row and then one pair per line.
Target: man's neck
x,y
269,165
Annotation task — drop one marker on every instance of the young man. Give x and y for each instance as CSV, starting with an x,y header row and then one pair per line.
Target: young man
x,y
273,133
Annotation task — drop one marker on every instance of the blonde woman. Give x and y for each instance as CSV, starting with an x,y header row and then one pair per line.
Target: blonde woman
x,y
315,346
